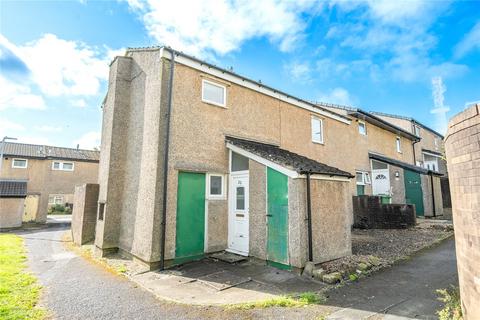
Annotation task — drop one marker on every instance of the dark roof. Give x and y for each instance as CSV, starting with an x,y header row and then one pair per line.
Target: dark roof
x,y
286,158
402,164
48,152
230,72
13,188
409,119
370,118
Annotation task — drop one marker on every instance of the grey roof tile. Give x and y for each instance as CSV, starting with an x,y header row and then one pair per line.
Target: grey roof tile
x,y
13,188
286,158
43,151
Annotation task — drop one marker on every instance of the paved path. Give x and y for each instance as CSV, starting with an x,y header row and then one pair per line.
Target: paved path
x,y
75,288
406,290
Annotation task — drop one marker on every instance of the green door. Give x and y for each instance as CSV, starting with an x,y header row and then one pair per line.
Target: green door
x,y
413,191
190,228
277,219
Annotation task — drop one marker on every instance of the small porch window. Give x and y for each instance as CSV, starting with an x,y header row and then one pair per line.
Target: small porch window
x,y
239,162
215,186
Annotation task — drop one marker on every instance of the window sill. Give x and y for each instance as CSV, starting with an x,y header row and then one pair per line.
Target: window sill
x,y
215,104
317,142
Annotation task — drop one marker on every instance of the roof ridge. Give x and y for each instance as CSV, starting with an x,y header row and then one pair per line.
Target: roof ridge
x,y
43,146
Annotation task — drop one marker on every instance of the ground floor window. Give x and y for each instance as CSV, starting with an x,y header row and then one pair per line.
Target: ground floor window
x,y
363,178
215,186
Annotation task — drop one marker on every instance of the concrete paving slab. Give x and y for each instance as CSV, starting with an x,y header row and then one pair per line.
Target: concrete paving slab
x,y
228,257
350,314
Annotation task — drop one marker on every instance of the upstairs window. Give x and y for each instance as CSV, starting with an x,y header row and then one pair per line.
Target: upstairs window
x,y
362,128
214,93
317,130
63,166
398,144
19,163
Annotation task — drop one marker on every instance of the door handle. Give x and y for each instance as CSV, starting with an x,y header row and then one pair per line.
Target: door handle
x,y
269,215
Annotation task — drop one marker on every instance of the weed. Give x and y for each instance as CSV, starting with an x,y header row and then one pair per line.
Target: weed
x,y
452,309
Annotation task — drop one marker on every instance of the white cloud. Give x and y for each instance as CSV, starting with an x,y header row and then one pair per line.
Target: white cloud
x,y
440,110
46,128
299,71
203,27
57,67
79,103
89,140
6,126
470,42
33,140
14,95
337,96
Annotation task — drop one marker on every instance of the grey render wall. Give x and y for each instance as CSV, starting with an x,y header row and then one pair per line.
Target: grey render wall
x,y
84,215
397,184
462,146
427,196
131,163
258,209
331,226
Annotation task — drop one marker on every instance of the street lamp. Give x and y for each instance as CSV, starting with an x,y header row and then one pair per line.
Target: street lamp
x,y
2,149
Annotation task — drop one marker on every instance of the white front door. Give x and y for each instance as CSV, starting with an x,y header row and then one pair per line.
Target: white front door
x,y
380,181
238,226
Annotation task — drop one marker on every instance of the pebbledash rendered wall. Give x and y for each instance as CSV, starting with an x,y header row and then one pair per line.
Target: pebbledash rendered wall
x,y
462,146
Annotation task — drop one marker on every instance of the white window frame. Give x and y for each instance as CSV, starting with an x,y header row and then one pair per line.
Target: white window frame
x,y
416,128
19,167
55,198
314,118
435,141
224,105
61,166
398,144
360,122
365,178
221,196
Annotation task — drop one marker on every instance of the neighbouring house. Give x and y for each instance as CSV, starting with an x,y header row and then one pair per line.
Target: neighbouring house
x,y
429,154
385,161
51,174
196,159
12,201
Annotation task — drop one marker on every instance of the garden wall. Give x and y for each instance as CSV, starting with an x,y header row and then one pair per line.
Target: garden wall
x,y
370,213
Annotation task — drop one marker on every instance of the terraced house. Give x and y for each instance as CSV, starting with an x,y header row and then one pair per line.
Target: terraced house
x,y
50,173
198,159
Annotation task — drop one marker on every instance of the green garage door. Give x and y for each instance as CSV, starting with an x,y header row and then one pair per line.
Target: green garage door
x,y
190,216
277,224
413,191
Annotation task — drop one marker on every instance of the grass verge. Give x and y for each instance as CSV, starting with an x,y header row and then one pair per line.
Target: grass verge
x,y
303,299
19,291
452,309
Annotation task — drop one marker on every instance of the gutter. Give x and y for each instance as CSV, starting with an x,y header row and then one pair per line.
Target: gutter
x,y
165,162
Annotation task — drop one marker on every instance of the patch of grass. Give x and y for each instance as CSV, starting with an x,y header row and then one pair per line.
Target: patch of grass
x,y
353,277
301,300
122,268
19,291
452,309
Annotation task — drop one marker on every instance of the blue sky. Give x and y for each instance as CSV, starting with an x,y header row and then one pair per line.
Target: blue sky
x,y
377,55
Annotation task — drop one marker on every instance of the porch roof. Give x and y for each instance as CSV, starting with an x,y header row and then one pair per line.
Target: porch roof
x,y
287,159
403,165
13,188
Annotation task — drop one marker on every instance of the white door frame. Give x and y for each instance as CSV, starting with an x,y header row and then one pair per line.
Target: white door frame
x,y
232,214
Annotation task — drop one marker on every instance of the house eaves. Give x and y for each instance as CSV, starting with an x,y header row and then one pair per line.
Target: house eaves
x,y
240,80
408,119
403,165
376,121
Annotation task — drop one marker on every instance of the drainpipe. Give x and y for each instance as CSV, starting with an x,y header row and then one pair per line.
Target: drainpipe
x,y
433,196
309,219
414,158
165,162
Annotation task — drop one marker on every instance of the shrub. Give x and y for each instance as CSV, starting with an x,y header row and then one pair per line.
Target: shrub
x,y
452,309
59,208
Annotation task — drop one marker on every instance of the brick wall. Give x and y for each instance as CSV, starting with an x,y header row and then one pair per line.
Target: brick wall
x,y
462,146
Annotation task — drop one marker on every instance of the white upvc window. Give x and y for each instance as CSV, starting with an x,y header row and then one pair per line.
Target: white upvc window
x,y
18,163
435,141
363,178
398,144
215,186
63,166
362,127
214,93
317,130
55,199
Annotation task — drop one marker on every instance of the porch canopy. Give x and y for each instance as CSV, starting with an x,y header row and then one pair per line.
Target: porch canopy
x,y
287,162
403,165
13,188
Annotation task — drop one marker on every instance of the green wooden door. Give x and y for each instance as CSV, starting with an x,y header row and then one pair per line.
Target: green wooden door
x,y
413,191
190,228
277,219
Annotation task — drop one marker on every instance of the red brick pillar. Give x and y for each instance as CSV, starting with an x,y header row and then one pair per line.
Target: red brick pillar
x,y
462,147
